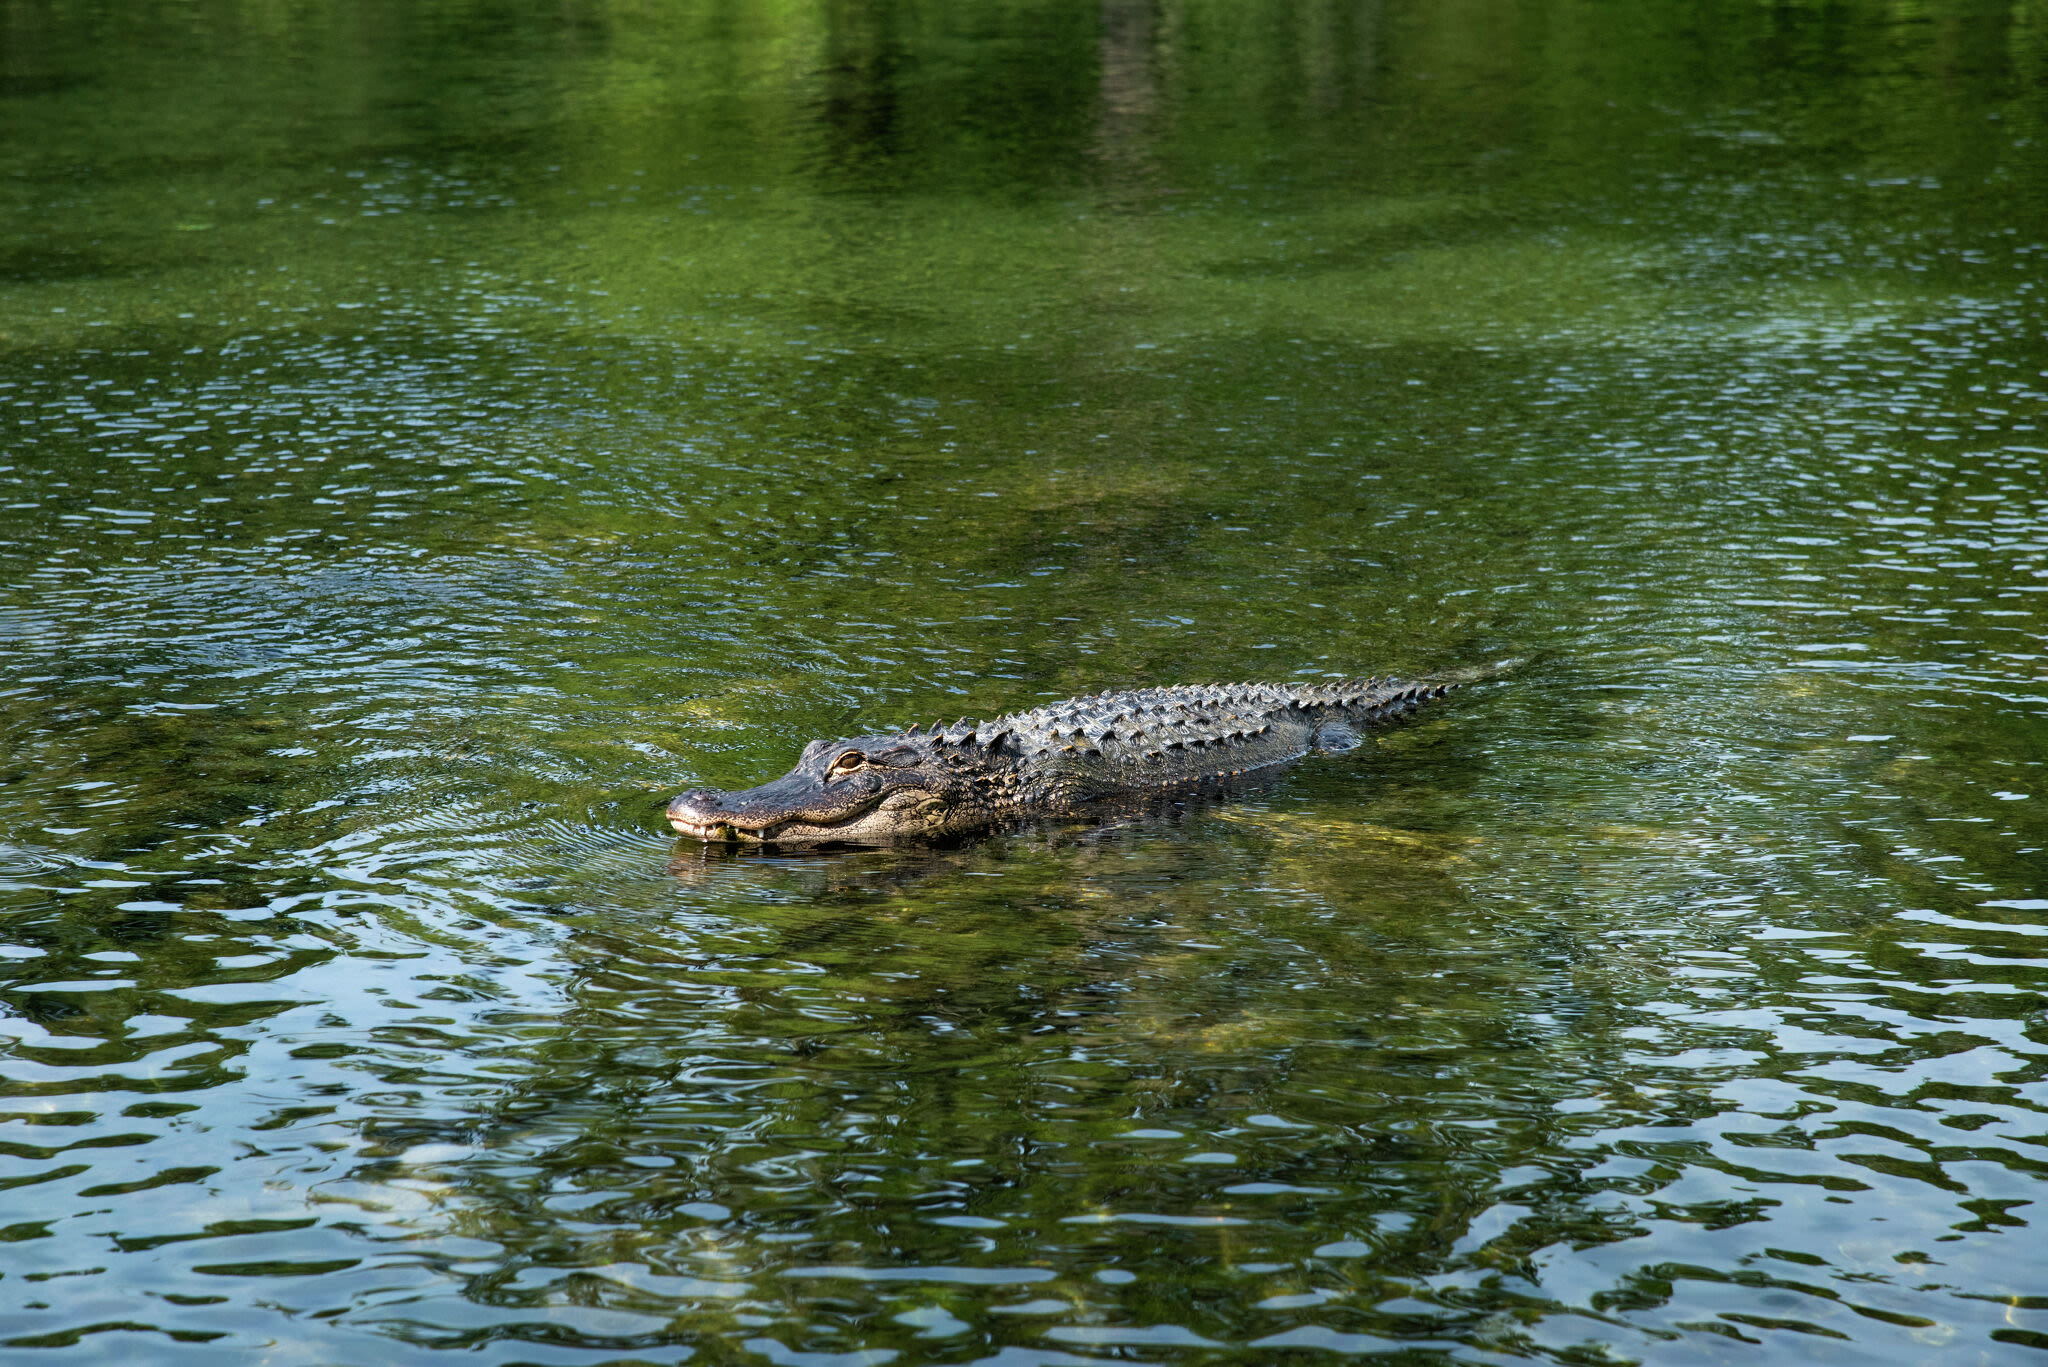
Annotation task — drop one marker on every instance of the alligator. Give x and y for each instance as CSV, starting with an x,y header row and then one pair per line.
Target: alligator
x,y
1060,760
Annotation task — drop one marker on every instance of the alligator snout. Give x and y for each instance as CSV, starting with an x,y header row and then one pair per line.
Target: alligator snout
x,y
696,804
700,812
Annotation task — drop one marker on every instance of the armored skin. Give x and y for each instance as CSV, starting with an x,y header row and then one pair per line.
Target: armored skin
x,y
1052,761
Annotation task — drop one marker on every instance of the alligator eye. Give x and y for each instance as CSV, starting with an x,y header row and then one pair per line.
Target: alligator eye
x,y
847,762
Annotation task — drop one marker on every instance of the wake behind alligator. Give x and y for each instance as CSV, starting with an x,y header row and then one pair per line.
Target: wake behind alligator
x,y
1060,760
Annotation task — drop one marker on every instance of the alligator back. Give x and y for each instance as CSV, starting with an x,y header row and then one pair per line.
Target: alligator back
x,y
1133,740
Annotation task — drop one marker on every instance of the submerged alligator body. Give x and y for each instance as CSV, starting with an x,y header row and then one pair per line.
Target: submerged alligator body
x,y
1054,761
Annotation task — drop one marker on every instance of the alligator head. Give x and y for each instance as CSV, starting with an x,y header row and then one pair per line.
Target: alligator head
x,y
871,790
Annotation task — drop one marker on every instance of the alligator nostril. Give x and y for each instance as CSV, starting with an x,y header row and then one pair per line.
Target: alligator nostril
x,y
697,799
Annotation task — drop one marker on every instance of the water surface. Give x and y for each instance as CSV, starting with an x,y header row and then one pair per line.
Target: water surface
x,y
433,434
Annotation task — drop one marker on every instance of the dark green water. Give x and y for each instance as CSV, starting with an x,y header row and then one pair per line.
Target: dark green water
x,y
431,434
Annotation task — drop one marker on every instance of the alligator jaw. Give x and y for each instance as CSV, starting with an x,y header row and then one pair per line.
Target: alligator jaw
x,y
699,815
711,832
